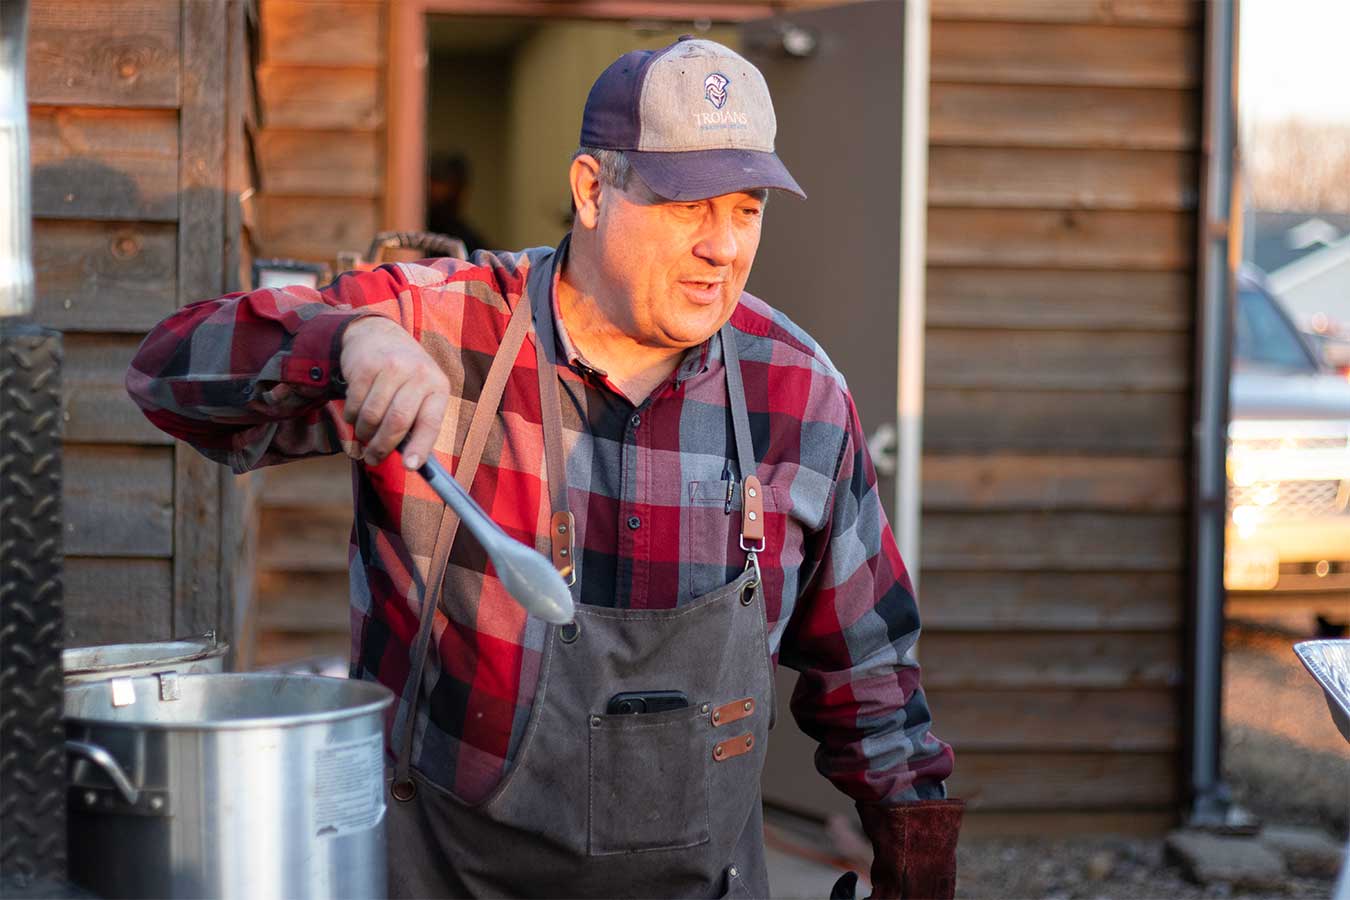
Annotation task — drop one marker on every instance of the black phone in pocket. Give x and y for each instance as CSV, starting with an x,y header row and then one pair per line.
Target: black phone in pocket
x,y
633,703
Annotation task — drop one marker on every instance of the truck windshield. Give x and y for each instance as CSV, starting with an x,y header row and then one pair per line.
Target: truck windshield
x,y
1266,338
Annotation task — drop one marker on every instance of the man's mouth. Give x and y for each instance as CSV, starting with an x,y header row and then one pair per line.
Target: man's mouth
x,y
702,291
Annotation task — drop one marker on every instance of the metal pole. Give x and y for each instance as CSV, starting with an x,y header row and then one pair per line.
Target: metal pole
x,y
913,250
1210,804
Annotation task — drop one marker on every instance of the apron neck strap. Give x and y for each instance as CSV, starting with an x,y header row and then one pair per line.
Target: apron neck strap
x,y
475,440
752,492
561,525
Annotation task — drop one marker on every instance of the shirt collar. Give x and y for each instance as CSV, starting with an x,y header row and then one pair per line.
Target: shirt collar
x,y
696,359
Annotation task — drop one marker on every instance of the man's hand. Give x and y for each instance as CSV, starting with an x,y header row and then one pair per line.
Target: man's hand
x,y
394,388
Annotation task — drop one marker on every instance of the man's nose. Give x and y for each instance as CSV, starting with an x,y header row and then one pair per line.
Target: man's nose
x,y
717,245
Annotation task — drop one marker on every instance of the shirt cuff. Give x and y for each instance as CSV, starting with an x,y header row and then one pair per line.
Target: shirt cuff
x,y
315,357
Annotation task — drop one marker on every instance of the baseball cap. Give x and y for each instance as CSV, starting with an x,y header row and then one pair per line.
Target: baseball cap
x,y
694,119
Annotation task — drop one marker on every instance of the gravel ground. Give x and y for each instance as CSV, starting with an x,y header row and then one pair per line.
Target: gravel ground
x,y
1283,758
1116,868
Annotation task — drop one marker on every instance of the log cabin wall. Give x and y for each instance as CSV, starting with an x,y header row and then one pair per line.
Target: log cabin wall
x,y
136,114
1063,184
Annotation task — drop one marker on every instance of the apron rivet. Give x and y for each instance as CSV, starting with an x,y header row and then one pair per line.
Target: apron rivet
x,y
747,596
752,514
562,529
595,721
718,751
717,717
749,741
403,790
748,704
703,709
752,492
569,632
732,872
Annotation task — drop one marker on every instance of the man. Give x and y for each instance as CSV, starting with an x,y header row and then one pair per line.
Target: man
x,y
684,452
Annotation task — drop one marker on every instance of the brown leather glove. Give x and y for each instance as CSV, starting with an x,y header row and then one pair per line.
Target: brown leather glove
x,y
913,848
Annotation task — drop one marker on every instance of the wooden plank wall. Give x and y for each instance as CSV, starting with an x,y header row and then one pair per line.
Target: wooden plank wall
x,y
1062,216
320,76
130,132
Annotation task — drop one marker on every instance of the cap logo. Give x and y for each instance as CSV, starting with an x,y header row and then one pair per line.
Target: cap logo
x,y
715,89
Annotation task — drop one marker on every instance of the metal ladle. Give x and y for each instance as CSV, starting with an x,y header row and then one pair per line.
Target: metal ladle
x,y
526,574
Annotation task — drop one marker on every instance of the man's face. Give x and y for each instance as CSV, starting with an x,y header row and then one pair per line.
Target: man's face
x,y
675,269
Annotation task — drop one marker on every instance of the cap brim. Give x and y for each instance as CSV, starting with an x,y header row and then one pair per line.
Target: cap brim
x,y
700,174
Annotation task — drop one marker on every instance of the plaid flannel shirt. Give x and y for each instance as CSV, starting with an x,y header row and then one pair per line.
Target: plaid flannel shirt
x,y
253,379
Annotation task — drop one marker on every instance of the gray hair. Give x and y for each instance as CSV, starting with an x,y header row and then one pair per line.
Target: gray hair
x,y
615,169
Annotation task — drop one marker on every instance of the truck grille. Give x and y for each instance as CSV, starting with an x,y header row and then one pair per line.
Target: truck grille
x,y
1290,499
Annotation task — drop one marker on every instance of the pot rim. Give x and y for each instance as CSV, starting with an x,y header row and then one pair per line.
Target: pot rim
x,y
380,697
194,650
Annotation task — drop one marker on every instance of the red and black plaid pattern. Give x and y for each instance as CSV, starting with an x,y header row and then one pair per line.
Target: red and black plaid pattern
x,y
253,379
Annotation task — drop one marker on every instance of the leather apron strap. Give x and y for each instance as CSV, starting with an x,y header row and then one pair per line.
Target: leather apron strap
x,y
489,399
562,525
752,492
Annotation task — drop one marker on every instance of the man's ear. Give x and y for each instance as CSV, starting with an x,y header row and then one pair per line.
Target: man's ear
x,y
584,176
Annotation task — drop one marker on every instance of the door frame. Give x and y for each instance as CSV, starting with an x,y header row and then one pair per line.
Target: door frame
x,y
406,64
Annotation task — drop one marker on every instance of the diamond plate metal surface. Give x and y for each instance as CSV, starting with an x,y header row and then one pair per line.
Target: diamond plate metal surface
x,y
32,740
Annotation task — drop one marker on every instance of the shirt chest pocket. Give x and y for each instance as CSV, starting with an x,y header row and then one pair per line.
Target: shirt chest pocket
x,y
710,535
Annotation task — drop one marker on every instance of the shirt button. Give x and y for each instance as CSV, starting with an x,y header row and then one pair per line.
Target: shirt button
x,y
635,421
316,374
634,522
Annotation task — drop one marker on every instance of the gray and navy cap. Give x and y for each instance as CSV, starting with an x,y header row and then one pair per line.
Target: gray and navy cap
x,y
694,119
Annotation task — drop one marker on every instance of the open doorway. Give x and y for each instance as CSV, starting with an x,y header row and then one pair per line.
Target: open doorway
x,y
503,115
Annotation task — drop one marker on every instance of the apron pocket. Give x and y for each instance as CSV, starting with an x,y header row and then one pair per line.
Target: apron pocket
x,y
648,781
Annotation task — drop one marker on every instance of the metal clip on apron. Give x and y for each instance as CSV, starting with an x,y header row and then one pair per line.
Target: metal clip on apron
x,y
658,804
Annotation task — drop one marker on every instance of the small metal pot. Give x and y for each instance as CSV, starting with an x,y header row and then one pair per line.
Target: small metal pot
x,y
227,785
186,657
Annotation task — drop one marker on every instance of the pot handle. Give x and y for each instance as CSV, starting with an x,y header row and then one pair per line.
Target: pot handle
x,y
104,760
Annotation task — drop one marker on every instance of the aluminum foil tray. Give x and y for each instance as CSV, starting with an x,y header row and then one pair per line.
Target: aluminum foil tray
x,y
1329,663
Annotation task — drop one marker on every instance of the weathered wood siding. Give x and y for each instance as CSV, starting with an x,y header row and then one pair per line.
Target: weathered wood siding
x,y
135,113
1061,248
320,76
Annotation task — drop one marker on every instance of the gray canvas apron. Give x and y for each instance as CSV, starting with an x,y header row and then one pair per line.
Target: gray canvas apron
x,y
597,805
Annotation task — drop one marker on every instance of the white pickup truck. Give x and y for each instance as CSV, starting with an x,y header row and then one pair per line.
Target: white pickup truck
x,y
1288,536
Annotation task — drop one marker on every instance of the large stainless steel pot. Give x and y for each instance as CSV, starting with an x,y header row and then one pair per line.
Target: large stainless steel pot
x,y
186,657
236,786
